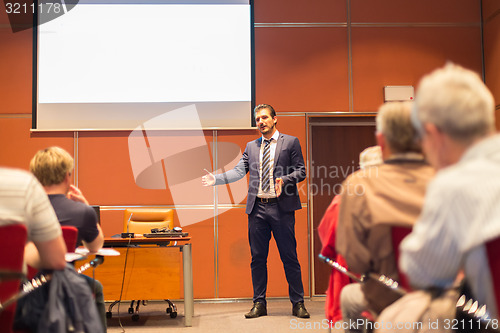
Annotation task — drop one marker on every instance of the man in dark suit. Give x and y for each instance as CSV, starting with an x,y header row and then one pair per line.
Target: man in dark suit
x,y
276,165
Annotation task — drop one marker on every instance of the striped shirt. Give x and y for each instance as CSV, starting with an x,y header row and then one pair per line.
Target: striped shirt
x,y
461,212
23,200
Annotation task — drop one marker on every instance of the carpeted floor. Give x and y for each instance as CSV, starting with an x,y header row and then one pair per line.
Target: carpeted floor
x,y
222,317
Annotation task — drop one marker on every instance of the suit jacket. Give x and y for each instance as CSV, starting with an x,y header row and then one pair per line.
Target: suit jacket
x,y
288,165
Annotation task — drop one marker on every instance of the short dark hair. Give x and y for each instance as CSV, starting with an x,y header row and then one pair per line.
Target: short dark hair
x,y
264,106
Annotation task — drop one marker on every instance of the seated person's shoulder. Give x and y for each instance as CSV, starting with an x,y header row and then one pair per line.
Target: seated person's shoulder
x,y
453,178
87,210
16,178
62,204
362,175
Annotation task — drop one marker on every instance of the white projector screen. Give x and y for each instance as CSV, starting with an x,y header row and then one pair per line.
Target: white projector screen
x,y
117,64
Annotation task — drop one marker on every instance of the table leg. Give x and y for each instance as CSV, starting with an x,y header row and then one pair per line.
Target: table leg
x,y
187,268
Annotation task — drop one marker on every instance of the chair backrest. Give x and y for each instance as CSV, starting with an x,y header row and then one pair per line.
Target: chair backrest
x,y
144,219
493,249
12,242
398,233
70,235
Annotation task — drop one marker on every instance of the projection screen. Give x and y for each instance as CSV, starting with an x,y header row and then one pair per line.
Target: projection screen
x,y
117,64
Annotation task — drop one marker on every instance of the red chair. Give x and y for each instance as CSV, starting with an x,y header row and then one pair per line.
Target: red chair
x,y
398,234
493,249
11,264
70,235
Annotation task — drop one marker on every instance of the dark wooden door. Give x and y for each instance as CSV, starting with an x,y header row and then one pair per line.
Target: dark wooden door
x,y
335,146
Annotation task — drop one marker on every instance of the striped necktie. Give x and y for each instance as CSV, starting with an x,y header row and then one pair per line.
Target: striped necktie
x,y
266,167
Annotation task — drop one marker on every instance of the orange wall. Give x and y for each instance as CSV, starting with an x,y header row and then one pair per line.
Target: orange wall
x,y
491,18
311,56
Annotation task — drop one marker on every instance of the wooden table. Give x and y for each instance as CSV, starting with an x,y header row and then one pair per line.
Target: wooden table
x,y
148,269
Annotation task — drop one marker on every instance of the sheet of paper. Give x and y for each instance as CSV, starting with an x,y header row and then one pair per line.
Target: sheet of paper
x,y
102,252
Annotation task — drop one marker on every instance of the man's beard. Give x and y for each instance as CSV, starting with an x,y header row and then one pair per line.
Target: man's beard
x,y
266,129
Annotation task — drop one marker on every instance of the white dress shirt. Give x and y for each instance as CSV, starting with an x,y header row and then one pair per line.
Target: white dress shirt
x,y
274,141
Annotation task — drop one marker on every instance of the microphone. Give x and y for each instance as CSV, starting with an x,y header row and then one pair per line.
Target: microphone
x,y
97,261
128,234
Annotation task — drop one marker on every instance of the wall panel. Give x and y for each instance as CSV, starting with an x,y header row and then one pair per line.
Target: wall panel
x,y
111,220
449,11
401,56
492,53
202,238
108,158
300,11
18,145
15,70
302,69
491,35
235,279
105,172
490,7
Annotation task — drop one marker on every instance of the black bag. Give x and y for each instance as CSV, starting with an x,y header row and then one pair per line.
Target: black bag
x,y
30,308
63,305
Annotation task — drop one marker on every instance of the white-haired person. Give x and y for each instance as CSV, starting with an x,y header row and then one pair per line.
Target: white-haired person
x,y
454,112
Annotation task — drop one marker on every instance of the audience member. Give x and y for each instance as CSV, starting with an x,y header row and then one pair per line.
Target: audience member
x,y
454,113
53,167
370,156
375,199
22,200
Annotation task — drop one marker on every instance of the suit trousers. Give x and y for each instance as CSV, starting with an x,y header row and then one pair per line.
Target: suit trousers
x,y
267,218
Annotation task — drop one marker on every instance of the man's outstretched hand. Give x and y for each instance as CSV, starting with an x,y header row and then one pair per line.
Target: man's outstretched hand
x,y
208,179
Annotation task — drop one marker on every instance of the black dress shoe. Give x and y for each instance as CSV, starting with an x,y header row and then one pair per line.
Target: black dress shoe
x,y
299,310
258,310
